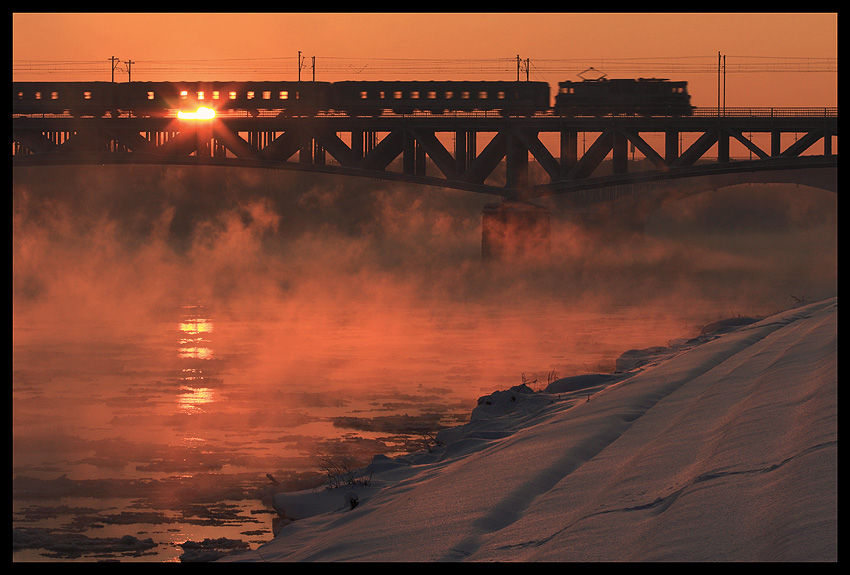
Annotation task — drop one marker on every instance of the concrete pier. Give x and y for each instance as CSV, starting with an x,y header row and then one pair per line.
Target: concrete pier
x,y
513,231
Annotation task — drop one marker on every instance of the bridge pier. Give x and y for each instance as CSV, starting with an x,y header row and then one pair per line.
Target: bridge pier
x,y
514,231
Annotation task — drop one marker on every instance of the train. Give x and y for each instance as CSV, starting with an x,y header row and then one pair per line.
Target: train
x,y
642,96
354,98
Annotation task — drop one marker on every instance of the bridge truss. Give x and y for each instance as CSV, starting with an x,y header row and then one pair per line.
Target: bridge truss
x,y
477,153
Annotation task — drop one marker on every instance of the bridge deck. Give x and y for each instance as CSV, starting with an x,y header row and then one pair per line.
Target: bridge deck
x,y
369,146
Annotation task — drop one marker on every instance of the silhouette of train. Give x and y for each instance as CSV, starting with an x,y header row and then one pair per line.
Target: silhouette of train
x,y
357,98
644,97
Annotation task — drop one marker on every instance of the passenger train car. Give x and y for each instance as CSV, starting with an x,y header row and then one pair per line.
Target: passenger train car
x,y
644,96
76,98
355,98
165,98
371,98
158,98
287,98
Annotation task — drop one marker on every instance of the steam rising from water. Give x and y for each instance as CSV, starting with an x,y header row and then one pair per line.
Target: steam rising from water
x,y
376,290
118,248
98,240
303,259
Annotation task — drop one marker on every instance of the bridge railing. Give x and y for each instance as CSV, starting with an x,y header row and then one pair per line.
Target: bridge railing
x,y
729,112
766,112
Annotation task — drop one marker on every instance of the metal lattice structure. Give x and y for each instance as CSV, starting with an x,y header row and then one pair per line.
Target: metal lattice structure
x,y
482,153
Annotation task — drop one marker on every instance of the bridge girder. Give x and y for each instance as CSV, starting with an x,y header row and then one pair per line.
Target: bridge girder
x,y
399,148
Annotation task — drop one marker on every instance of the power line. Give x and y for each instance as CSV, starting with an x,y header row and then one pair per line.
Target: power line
x,y
434,67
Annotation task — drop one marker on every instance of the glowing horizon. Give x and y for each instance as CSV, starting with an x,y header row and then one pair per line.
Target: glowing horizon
x,y
772,59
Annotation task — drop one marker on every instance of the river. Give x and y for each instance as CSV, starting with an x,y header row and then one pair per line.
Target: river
x,y
181,342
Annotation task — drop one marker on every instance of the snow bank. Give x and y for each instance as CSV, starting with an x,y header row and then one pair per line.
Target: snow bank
x,y
721,448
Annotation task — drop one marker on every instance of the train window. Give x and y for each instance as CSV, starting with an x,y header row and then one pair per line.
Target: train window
x,y
432,95
150,95
232,95
184,94
87,95
216,94
54,95
482,95
364,94
500,95
201,95
267,95
414,95
397,94
450,95
382,95
250,95
38,95
464,95
284,95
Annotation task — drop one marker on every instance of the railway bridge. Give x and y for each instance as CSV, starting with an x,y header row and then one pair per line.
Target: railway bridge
x,y
518,159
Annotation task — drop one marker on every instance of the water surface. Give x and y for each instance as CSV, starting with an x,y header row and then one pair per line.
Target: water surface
x,y
179,337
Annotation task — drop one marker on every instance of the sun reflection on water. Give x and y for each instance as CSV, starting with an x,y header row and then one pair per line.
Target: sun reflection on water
x,y
194,344
195,352
194,328
192,399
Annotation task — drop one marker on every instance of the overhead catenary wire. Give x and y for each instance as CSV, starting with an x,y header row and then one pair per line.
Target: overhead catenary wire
x,y
424,68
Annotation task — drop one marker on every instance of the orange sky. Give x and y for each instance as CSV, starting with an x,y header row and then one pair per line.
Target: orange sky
x,y
155,37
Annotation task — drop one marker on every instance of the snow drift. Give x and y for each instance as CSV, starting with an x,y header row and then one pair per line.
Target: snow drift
x,y
719,448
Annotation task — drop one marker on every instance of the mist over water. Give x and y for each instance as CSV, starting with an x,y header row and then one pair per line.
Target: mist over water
x,y
173,326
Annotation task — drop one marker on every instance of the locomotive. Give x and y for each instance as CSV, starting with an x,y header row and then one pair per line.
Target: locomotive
x,y
354,98
644,96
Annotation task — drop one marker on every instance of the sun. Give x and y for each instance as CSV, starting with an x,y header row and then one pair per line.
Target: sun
x,y
202,113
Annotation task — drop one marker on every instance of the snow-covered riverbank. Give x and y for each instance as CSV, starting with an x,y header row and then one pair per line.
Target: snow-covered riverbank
x,y
720,448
